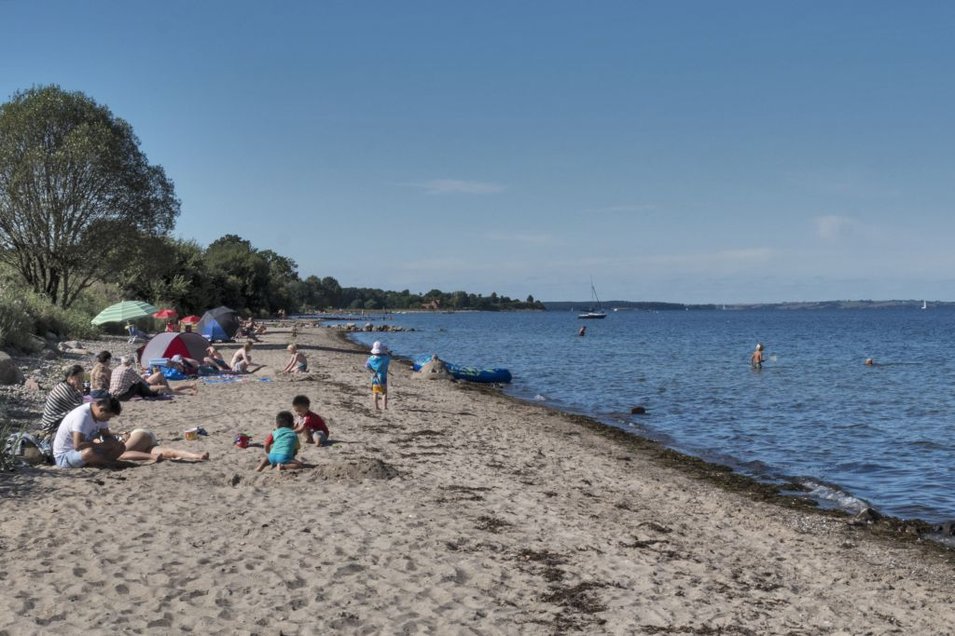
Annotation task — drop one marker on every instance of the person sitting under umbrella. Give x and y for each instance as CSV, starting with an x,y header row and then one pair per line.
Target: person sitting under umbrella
x,y
135,334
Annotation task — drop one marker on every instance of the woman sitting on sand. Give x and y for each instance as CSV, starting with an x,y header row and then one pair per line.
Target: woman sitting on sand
x,y
142,441
63,398
126,383
100,375
297,363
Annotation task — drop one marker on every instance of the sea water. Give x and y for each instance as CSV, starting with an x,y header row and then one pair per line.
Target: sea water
x,y
815,414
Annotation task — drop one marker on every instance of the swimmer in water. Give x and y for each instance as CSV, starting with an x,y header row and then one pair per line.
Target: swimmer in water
x,y
756,360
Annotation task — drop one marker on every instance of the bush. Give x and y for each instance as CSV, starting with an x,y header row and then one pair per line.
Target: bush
x,y
16,325
24,314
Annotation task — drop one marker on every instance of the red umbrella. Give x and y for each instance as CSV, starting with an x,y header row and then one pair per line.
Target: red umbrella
x,y
164,314
191,320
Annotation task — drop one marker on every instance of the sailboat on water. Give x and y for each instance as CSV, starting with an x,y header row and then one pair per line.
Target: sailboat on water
x,y
924,305
593,314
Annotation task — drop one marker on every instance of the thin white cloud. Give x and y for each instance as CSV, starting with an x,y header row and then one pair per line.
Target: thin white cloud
x,y
631,207
525,238
833,228
721,258
458,186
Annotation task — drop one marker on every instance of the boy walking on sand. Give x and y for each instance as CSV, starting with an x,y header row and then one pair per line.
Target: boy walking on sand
x,y
281,445
308,422
378,365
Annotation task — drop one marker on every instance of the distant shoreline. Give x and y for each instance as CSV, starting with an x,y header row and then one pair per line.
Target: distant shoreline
x,y
791,305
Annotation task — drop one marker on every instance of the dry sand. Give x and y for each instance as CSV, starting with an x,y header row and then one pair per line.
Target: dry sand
x,y
458,511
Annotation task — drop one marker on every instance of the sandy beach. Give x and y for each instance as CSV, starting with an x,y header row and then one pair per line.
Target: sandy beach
x,y
457,511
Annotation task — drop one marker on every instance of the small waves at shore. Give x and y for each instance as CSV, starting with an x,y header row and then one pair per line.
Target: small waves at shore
x,y
877,434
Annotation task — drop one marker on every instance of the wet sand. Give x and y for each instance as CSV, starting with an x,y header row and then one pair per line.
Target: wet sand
x,y
459,511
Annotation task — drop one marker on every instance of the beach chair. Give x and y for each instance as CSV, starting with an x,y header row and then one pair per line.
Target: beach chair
x,y
136,335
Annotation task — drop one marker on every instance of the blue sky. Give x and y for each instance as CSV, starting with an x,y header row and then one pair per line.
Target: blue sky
x,y
673,151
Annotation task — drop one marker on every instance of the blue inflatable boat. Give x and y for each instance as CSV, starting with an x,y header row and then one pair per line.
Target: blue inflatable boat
x,y
470,374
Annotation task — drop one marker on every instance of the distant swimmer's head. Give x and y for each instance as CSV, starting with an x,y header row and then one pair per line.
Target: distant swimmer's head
x,y
759,346
869,362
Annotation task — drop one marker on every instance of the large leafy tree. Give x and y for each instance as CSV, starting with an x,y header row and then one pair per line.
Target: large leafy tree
x,y
78,198
283,277
173,273
239,273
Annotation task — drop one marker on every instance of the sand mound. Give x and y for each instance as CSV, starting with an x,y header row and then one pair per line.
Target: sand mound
x,y
364,468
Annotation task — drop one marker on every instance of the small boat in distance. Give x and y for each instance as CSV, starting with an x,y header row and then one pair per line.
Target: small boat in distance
x,y
924,305
591,313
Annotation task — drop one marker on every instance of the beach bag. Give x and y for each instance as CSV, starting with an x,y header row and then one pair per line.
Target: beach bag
x,y
28,449
172,373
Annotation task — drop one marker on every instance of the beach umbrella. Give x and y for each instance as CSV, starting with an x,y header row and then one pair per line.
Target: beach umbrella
x,y
122,311
165,314
190,320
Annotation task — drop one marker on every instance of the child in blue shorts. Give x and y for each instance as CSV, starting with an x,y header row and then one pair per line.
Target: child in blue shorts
x,y
282,445
378,365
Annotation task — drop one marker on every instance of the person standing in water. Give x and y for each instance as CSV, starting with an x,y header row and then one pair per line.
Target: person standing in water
x,y
756,360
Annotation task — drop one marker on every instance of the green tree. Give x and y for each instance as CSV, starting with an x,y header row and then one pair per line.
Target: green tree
x,y
239,273
283,275
331,292
77,196
172,273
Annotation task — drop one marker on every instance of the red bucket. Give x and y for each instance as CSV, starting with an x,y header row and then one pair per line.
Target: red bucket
x,y
242,440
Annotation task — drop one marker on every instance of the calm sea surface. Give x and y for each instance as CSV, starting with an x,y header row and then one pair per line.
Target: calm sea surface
x,y
815,413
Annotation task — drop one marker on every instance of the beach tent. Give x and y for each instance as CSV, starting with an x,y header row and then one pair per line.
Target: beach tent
x,y
220,323
168,344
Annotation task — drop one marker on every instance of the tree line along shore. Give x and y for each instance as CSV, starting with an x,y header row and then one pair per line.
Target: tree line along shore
x,y
86,220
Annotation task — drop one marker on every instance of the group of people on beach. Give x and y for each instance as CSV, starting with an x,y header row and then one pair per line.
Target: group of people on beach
x,y
77,412
283,443
83,439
